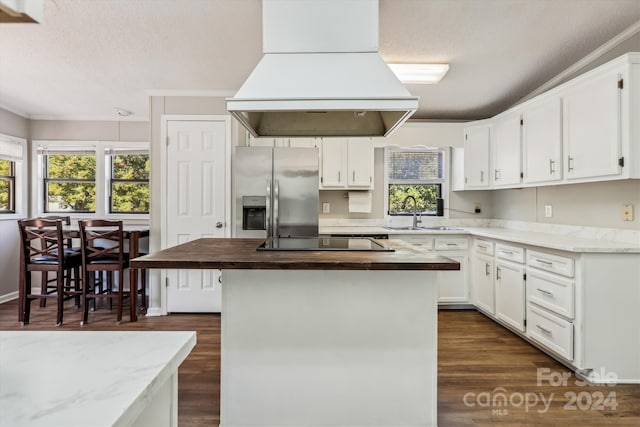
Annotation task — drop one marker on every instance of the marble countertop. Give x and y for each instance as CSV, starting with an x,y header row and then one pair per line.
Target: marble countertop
x,y
76,378
564,242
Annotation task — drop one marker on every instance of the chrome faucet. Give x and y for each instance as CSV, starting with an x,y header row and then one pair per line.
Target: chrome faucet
x,y
416,220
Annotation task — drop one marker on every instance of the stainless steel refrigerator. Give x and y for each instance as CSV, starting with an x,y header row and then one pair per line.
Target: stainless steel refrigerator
x,y
276,192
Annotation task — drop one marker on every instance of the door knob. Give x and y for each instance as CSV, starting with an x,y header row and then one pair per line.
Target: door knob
x,y
219,224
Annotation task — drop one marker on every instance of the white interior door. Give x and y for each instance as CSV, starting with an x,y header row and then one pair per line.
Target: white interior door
x,y
195,206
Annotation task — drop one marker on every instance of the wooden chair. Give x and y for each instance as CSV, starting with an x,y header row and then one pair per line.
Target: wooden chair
x,y
43,250
49,285
103,258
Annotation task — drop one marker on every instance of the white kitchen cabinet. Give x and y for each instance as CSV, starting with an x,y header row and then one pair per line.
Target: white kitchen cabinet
x,y
346,163
592,124
542,140
283,142
304,142
510,293
507,150
260,142
453,286
482,282
477,155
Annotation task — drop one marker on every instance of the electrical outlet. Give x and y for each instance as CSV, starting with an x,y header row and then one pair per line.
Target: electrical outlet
x,y
627,212
326,207
476,208
548,211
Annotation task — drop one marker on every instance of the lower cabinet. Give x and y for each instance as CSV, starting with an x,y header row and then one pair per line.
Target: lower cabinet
x,y
453,286
580,308
483,289
510,286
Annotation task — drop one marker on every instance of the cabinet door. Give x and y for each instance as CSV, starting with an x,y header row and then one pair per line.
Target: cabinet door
x,y
482,282
477,153
453,286
360,162
333,156
591,122
260,142
510,294
507,151
542,141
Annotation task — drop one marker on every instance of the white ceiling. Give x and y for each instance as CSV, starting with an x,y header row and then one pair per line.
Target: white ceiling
x,y
91,56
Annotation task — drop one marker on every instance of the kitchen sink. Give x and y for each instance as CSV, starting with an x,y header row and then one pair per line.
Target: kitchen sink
x,y
404,228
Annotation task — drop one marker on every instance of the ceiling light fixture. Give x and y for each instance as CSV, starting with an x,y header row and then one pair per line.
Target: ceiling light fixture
x,y
419,73
122,112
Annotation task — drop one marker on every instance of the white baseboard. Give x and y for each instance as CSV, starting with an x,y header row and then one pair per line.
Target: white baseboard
x,y
154,312
8,297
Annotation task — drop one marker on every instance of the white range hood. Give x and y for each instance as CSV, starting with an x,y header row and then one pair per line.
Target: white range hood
x,y
321,74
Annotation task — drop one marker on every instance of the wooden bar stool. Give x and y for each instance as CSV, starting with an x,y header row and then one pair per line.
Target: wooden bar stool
x,y
102,243
43,250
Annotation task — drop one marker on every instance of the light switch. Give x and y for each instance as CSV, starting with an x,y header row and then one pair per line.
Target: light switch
x,y
548,211
326,207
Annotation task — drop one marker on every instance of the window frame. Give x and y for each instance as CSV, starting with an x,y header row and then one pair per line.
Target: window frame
x,y
111,180
47,180
11,179
17,155
101,150
442,182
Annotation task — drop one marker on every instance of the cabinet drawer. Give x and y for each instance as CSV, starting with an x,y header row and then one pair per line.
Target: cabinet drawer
x,y
451,243
483,246
551,291
512,253
551,331
421,242
554,263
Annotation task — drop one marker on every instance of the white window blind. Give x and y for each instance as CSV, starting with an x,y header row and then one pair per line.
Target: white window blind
x,y
67,150
10,150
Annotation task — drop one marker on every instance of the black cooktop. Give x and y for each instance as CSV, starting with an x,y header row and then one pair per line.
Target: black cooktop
x,y
323,244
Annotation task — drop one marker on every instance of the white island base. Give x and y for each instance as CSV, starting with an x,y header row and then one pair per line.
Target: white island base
x,y
329,348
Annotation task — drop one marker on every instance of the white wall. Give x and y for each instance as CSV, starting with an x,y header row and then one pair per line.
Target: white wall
x,y
10,124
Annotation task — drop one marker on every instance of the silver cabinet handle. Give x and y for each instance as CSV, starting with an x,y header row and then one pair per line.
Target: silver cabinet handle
x,y
506,252
354,176
552,164
481,176
498,273
569,163
544,292
546,331
496,174
452,244
339,179
486,269
541,261
482,246
219,224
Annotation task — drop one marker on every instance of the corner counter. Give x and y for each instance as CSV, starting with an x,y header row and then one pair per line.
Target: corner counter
x,y
101,379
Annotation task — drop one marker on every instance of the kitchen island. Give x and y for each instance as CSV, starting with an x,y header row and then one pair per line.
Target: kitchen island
x,y
327,338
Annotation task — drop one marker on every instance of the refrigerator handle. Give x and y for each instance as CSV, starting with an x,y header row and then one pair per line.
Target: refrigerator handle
x,y
276,201
268,209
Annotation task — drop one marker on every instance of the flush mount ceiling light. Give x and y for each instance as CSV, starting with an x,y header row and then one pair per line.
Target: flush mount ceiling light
x,y
419,73
122,112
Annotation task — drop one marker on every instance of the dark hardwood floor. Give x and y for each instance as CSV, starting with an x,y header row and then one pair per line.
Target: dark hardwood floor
x,y
481,366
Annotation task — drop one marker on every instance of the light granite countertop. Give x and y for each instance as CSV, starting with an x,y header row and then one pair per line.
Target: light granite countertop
x,y
564,241
76,378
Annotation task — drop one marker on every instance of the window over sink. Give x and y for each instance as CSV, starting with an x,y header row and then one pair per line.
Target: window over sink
x,y
417,172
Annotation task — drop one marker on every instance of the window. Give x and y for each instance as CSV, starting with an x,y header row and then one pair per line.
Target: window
x,y
418,173
11,176
101,178
7,186
69,181
129,181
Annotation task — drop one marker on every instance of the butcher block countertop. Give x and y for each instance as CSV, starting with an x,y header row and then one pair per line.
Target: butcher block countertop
x,y
241,254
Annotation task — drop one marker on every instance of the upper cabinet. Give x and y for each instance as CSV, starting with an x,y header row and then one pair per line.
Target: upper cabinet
x,y
346,163
507,151
477,164
592,134
542,140
584,130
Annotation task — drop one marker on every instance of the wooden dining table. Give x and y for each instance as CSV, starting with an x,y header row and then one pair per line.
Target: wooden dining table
x,y
132,234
